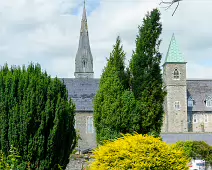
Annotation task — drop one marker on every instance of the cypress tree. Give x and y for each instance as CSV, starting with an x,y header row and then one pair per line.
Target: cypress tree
x,y
147,84
36,117
113,100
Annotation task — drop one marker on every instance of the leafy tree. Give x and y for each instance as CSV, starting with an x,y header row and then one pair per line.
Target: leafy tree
x,y
113,102
36,117
196,150
146,77
138,152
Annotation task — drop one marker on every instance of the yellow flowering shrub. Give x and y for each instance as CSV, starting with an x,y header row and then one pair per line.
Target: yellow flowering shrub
x,y
138,152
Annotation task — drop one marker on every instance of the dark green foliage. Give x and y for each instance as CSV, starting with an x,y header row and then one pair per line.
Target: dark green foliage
x,y
146,77
196,150
36,117
132,99
113,102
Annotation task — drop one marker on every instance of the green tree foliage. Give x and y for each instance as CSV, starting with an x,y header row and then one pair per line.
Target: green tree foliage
x,y
12,161
113,103
138,152
146,77
196,149
36,117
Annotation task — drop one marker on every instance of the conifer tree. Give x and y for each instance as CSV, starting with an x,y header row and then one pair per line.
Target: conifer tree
x,y
113,100
36,117
147,84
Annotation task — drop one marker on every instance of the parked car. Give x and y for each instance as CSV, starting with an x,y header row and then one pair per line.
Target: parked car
x,y
197,164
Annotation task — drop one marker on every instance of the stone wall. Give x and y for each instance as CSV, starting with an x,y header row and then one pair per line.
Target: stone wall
x,y
202,125
88,140
171,138
175,120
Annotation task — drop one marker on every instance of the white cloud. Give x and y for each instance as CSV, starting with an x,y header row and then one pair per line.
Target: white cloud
x,y
46,31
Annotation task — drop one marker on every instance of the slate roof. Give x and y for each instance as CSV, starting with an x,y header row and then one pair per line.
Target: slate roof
x,y
174,55
199,90
82,92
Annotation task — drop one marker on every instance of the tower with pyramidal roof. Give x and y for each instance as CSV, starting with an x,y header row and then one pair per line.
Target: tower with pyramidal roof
x,y
174,74
84,59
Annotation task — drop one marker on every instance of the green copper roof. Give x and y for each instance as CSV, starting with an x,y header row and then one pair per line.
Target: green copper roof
x,y
174,55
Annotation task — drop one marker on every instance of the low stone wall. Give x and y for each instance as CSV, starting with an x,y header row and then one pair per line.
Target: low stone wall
x,y
171,138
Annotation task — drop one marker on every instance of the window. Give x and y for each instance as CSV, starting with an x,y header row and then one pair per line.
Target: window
x,y
205,118
75,123
190,102
195,118
84,65
177,105
208,102
89,124
176,74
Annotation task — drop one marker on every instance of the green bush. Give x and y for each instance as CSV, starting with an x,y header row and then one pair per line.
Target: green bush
x,y
36,117
196,149
138,153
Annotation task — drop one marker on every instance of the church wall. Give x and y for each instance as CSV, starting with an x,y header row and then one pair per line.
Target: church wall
x,y
201,122
88,140
175,119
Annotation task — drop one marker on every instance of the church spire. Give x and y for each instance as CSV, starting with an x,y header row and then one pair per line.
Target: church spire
x,y
84,59
174,55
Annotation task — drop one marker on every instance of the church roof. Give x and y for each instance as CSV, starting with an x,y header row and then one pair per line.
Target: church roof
x,y
174,55
199,90
82,92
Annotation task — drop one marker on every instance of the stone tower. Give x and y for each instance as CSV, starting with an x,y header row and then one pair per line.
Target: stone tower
x,y
174,75
84,59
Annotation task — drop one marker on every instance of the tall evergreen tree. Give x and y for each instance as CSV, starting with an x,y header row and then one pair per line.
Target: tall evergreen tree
x,y
111,103
36,117
147,84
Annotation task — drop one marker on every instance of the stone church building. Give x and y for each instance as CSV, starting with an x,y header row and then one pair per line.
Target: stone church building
x,y
188,104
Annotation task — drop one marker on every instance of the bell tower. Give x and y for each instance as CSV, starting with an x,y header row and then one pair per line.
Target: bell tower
x,y
174,75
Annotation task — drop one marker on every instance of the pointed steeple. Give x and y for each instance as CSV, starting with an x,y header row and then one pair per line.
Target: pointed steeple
x,y
84,26
174,55
84,58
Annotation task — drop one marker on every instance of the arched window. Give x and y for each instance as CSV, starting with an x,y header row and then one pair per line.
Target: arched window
x,y
89,124
176,74
84,65
190,102
208,102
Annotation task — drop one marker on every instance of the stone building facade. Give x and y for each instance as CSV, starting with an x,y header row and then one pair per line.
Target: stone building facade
x,y
188,104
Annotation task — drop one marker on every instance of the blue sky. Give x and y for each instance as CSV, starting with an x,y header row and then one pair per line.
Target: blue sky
x,y
47,32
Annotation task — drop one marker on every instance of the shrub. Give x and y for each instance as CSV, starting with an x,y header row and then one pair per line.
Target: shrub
x,y
196,149
138,152
36,117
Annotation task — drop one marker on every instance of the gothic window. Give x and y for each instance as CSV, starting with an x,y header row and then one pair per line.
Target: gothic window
x,y
176,74
190,102
177,105
208,102
205,118
83,65
195,120
89,124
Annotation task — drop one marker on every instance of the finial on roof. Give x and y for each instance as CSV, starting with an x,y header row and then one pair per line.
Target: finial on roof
x,y
174,55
